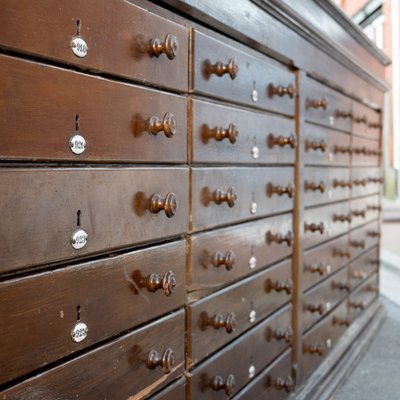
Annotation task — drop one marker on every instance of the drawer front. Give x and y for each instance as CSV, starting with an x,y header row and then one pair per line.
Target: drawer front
x,y
62,209
364,210
222,134
326,107
364,237
325,185
323,146
223,316
361,268
323,298
365,181
68,116
365,152
125,367
116,35
322,338
65,298
326,222
275,382
324,260
255,350
366,122
226,72
220,257
226,195
363,296
176,391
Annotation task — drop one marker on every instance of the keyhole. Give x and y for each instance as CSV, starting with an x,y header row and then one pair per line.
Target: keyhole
x,y
78,27
78,312
77,122
78,218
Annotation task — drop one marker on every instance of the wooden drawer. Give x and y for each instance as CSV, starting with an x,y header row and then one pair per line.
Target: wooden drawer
x,y
222,134
218,319
327,107
324,146
326,222
175,391
275,382
364,210
53,114
363,267
365,152
56,302
365,181
118,36
56,208
324,260
255,350
363,296
124,367
222,256
321,299
238,74
225,195
364,237
366,122
325,185
322,338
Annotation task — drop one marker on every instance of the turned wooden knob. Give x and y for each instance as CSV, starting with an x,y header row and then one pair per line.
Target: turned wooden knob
x,y
282,384
341,321
342,149
340,286
373,234
373,208
357,305
358,244
229,196
167,283
280,334
227,385
341,253
169,204
344,114
318,349
313,227
357,274
221,69
317,103
166,125
359,182
358,213
359,150
361,120
343,184
319,268
279,285
228,260
374,125
371,288
313,186
281,90
280,190
219,134
320,308
282,141
375,180
218,322
169,46
342,218
312,145
279,238
166,361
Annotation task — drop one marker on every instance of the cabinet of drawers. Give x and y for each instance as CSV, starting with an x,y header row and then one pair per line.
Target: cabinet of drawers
x,y
190,199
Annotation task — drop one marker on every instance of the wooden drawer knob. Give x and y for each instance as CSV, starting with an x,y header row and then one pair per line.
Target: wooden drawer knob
x,y
218,322
373,234
169,204
359,182
221,69
228,385
344,114
318,349
374,125
340,286
342,149
228,259
219,134
281,90
311,145
282,141
313,186
361,120
341,321
357,274
358,213
371,288
358,244
342,184
315,103
359,150
320,308
279,285
319,268
169,47
313,227
280,334
342,218
375,180
279,238
373,208
229,196
166,361
357,305
167,283
280,190
282,384
341,253
166,125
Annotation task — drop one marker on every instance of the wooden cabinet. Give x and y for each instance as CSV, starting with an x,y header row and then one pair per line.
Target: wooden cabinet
x,y
190,198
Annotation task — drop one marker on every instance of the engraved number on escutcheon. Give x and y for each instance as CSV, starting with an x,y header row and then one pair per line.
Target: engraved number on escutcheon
x,y
79,239
77,144
79,332
79,47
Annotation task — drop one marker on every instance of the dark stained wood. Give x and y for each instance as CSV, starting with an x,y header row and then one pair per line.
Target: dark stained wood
x,y
44,308
244,358
118,35
255,72
250,186
176,391
361,268
249,245
42,208
251,144
250,297
120,367
44,107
